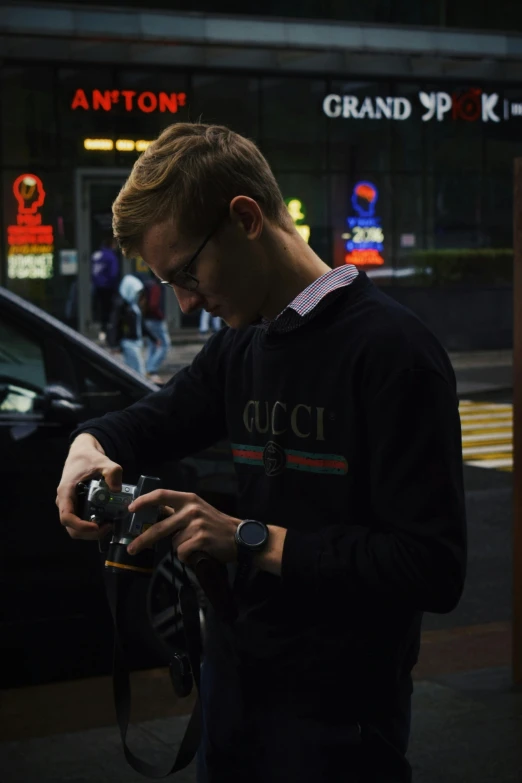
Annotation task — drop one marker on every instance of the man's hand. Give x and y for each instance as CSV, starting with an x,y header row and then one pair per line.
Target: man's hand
x,y
193,524
196,526
86,460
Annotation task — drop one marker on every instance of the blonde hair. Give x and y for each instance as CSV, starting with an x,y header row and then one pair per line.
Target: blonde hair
x,y
190,174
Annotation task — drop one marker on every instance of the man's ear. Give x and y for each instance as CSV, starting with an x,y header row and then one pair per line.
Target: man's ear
x,y
246,213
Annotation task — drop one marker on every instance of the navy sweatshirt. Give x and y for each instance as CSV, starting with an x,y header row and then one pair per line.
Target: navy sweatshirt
x,y
346,432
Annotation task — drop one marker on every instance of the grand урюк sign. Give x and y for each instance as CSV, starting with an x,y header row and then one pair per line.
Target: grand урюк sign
x,y
474,105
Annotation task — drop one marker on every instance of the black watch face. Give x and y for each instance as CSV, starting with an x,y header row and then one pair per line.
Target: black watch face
x,y
253,534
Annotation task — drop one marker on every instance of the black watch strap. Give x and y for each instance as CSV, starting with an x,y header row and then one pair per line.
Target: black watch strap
x,y
244,569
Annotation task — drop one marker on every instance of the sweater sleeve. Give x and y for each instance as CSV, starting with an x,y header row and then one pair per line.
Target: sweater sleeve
x,y
185,416
413,550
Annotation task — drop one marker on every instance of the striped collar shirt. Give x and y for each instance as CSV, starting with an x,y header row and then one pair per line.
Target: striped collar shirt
x,y
304,306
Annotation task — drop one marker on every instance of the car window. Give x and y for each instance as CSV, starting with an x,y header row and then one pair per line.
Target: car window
x,y
16,399
101,390
21,357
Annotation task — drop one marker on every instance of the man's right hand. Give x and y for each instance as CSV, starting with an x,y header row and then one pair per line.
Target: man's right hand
x,y
86,460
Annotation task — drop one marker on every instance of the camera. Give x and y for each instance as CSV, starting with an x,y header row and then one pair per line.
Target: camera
x,y
97,503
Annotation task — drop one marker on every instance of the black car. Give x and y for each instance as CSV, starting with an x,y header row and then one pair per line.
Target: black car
x,y
55,623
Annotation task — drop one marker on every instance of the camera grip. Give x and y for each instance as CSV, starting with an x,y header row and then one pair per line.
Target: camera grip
x,y
213,579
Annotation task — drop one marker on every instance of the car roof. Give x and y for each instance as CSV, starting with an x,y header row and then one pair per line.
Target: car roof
x,y
31,315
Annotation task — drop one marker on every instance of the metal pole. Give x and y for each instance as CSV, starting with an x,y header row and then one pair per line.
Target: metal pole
x,y
83,292
517,426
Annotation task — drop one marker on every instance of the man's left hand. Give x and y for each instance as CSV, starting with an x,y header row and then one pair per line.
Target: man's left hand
x,y
193,524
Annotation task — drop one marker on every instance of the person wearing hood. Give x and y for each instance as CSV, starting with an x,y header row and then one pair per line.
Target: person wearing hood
x,y
127,327
104,274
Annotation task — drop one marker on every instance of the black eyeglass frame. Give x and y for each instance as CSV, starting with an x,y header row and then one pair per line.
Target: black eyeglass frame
x,y
183,272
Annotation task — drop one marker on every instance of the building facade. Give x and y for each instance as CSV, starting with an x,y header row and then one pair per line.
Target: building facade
x,y
393,146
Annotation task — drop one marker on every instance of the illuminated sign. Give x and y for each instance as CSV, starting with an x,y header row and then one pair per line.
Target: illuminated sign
x,y
122,145
471,106
297,213
365,239
129,100
30,244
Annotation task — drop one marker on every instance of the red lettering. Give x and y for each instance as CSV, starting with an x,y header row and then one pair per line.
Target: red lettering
x,y
101,100
80,99
364,258
17,235
151,103
467,106
168,102
128,95
29,220
182,98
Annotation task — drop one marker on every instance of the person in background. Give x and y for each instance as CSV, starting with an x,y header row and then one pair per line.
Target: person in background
x,y
127,328
204,323
104,275
156,325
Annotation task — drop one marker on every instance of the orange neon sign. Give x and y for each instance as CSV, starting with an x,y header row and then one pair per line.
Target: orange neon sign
x,y
129,100
364,258
30,243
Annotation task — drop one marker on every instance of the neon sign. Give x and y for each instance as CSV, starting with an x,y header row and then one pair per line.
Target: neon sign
x,y
297,213
472,105
129,100
30,244
122,145
365,239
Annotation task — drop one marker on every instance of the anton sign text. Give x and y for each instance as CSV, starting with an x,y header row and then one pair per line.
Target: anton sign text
x,y
128,100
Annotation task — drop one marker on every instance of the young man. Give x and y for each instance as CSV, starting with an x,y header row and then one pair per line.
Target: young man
x,y
342,414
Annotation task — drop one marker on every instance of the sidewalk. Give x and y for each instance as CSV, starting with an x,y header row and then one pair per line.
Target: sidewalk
x,y
466,728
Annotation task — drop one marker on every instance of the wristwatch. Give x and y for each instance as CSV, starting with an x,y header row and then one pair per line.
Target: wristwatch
x,y
251,536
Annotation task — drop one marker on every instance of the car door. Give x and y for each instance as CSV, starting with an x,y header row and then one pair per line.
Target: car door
x,y
54,620
49,582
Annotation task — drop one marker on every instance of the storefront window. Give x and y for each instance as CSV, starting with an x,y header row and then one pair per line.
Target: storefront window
x,y
377,171
408,136
360,116
293,125
503,140
75,89
454,211
497,222
29,132
454,127
226,100
408,226
307,198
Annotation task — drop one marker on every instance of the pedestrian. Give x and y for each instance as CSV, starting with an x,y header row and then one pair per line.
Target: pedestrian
x,y
341,410
204,323
104,277
157,326
126,328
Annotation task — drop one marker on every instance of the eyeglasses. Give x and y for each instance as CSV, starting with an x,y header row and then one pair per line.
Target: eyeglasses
x,y
183,278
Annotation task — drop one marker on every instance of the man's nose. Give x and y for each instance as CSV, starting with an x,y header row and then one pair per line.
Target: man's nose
x,y
188,300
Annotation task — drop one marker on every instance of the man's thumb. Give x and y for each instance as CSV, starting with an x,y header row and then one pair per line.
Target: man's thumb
x,y
112,475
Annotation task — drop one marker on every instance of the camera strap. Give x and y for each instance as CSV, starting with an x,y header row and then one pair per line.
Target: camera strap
x,y
117,588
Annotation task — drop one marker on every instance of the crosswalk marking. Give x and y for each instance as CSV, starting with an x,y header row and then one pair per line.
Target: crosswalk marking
x,y
487,434
499,447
